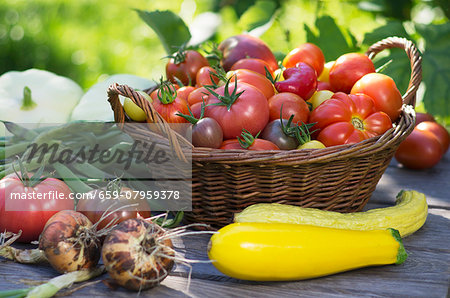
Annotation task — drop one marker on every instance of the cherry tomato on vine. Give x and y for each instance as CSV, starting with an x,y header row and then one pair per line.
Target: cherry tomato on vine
x,y
184,66
382,89
168,104
348,69
308,53
348,119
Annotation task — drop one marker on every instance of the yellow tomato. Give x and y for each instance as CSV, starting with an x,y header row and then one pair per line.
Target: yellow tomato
x,y
325,75
319,97
314,144
133,111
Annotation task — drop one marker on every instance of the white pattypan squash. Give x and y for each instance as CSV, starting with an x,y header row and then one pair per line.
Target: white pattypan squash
x,y
37,96
94,105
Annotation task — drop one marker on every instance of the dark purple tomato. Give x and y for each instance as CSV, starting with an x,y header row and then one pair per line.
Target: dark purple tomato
x,y
207,132
274,133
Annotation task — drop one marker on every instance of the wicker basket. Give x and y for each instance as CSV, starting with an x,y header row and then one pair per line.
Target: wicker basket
x,y
340,178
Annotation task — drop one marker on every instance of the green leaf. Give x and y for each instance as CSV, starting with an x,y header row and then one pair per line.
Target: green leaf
x,y
331,38
436,69
257,15
170,28
392,28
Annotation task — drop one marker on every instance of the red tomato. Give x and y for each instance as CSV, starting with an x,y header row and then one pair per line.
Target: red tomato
x,y
420,150
258,144
204,76
254,64
242,46
168,104
32,217
255,79
438,131
186,69
383,91
308,53
96,202
301,80
198,96
250,110
348,119
421,117
348,69
324,86
196,109
154,93
292,105
184,92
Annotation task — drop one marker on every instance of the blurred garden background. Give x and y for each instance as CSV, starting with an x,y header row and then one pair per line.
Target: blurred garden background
x,y
88,40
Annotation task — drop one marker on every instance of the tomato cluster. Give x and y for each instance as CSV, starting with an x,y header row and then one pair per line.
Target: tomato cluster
x,y
249,99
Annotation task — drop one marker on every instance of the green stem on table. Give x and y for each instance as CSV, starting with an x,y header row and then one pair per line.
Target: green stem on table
x,y
15,293
15,149
72,180
90,171
50,288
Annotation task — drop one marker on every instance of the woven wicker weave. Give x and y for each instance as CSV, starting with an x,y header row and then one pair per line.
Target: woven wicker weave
x,y
340,178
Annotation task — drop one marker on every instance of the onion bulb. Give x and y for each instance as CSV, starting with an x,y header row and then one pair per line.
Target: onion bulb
x,y
137,254
69,241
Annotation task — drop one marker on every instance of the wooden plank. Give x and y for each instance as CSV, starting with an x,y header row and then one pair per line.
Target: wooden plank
x,y
434,183
425,273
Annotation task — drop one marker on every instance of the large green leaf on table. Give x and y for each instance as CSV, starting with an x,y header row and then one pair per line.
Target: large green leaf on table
x,y
399,65
331,38
257,15
436,69
170,28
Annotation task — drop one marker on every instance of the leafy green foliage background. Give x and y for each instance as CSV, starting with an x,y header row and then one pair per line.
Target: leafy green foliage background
x,y
87,40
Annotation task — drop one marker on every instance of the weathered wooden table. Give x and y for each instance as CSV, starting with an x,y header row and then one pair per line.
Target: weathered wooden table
x,y
426,272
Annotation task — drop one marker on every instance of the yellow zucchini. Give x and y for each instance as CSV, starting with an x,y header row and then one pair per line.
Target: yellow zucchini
x,y
407,216
281,252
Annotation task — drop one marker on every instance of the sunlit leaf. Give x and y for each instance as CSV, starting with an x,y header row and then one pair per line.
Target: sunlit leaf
x,y
330,38
436,69
170,28
392,28
257,15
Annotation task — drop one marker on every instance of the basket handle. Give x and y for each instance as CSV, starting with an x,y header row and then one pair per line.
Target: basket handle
x,y
409,98
153,117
